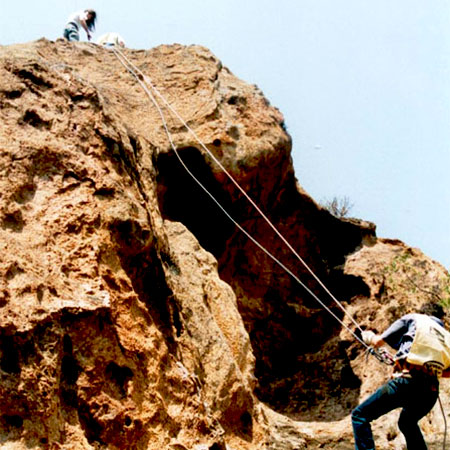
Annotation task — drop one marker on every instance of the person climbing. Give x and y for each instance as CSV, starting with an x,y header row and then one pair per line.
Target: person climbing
x,y
423,355
111,39
86,19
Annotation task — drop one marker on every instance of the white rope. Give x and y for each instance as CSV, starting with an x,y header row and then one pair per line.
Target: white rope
x,y
130,67
445,423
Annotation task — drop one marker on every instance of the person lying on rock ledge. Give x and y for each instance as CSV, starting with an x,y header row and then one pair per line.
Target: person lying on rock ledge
x,y
111,39
423,356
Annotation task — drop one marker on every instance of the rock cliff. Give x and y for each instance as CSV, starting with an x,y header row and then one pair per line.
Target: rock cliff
x,y
133,313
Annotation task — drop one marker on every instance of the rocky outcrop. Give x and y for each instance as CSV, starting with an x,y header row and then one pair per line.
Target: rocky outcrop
x,y
133,313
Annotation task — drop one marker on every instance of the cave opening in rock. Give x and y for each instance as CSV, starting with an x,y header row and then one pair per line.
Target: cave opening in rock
x,y
299,363
302,364
181,198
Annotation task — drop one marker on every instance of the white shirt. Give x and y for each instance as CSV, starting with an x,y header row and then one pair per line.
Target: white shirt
x,y
77,17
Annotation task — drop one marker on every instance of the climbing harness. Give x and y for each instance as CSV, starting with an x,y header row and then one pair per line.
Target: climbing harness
x,y
381,354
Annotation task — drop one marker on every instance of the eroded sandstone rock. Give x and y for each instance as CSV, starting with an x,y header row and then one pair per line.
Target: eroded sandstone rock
x,y
133,314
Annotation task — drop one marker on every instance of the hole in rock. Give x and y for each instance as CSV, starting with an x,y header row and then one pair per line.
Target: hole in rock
x,y
70,371
217,446
9,355
34,73
91,427
127,421
246,423
13,221
32,118
13,94
14,421
119,375
25,193
181,199
13,271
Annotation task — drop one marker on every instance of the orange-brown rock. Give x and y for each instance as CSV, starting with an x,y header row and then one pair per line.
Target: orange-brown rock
x,y
133,313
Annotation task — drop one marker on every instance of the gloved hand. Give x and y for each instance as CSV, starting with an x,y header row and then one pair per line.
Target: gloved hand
x,y
368,337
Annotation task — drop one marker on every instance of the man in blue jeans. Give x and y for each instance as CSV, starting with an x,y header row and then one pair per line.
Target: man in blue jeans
x,y
414,386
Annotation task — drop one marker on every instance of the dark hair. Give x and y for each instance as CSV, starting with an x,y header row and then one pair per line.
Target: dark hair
x,y
432,309
91,21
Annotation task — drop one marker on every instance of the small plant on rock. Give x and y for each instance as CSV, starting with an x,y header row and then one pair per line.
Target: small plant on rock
x,y
339,207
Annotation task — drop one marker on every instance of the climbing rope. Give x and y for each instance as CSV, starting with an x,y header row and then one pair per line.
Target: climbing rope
x,y
445,423
143,81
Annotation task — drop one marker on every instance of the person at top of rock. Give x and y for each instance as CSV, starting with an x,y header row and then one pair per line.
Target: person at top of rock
x,y
85,19
414,385
111,39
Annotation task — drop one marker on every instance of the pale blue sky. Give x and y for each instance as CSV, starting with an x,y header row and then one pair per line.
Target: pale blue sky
x,y
364,88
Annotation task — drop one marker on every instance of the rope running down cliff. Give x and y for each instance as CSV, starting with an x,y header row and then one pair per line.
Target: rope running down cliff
x,y
142,80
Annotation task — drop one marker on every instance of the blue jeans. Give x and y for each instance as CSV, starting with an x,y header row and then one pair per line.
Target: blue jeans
x,y
416,395
71,32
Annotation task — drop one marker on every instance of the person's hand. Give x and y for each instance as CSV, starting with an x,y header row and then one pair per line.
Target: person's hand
x,y
89,36
372,339
368,337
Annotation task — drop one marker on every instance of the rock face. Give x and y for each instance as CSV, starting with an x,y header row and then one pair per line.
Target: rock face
x,y
133,313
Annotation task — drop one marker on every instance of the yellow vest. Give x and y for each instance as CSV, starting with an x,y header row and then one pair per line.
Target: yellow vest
x,y
431,345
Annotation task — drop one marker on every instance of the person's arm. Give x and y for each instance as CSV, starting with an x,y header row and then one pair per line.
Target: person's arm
x,y
446,373
85,27
391,336
83,24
